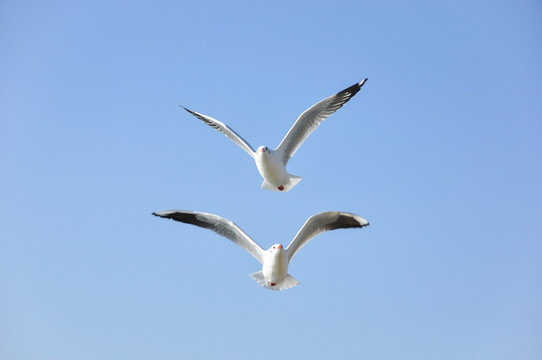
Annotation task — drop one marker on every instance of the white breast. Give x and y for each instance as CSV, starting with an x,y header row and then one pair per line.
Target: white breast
x,y
275,267
271,168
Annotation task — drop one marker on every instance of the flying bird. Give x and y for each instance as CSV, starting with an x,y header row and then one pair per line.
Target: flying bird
x,y
275,260
272,163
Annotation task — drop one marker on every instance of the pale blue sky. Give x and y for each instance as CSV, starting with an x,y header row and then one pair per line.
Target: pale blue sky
x,y
441,151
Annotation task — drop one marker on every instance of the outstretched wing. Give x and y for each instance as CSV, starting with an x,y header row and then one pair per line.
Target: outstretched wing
x,y
224,129
316,224
219,225
311,118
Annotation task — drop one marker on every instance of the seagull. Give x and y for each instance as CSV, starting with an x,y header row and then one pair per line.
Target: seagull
x,y
272,163
275,260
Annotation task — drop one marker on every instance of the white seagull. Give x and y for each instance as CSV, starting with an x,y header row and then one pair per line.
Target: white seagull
x,y
275,260
272,163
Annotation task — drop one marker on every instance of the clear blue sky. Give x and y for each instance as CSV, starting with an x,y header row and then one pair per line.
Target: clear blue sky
x,y
441,151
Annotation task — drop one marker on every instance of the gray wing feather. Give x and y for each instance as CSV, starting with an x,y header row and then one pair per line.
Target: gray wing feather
x,y
309,120
316,224
219,225
224,129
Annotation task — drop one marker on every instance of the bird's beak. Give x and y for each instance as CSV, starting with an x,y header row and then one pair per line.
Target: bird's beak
x,y
279,247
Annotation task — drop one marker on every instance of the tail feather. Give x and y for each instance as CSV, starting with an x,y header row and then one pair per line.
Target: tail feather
x,y
287,283
259,278
290,183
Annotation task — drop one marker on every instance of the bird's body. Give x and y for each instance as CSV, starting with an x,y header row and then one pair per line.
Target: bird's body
x,y
271,164
273,170
275,260
275,265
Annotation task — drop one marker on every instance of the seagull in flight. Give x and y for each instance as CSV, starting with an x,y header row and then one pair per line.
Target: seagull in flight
x,y
272,163
275,260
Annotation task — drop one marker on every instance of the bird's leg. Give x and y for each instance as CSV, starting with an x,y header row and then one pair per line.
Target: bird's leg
x,y
280,188
273,284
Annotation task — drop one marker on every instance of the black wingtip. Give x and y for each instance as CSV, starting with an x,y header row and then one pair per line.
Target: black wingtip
x,y
352,90
179,105
191,112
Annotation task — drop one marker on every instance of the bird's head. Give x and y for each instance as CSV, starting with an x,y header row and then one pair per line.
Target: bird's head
x,y
263,150
277,248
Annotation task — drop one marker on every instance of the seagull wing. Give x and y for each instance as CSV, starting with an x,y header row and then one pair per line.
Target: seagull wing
x,y
217,224
311,118
224,129
316,224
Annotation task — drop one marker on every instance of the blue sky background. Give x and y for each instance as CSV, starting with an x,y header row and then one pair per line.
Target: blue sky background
x,y
441,151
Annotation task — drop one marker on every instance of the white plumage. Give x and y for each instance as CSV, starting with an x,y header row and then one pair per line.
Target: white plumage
x,y
275,260
272,163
